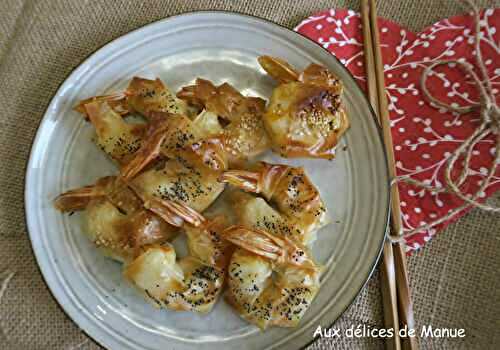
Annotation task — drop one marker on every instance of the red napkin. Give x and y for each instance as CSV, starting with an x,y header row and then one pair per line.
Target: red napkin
x,y
423,135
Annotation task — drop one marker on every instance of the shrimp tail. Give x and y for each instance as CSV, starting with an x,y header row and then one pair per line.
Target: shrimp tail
x,y
223,100
254,240
155,135
206,243
278,69
245,180
117,101
187,213
149,151
78,199
264,181
212,152
260,242
297,255
190,94
271,176
215,223
176,214
199,94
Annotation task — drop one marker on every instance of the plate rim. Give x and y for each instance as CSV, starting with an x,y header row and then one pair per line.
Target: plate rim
x,y
35,140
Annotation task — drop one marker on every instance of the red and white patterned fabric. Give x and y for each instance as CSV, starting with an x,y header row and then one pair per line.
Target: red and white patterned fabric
x,y
423,135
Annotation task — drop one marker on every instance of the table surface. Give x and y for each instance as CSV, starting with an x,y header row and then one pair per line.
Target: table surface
x,y
455,279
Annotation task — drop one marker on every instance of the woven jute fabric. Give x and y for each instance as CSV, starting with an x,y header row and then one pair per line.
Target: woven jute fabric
x,y
455,279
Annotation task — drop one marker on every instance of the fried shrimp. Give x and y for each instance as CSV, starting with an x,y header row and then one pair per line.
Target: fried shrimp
x,y
147,96
116,220
117,138
184,285
192,283
300,210
190,178
167,118
244,135
143,96
175,155
305,116
180,131
134,145
272,280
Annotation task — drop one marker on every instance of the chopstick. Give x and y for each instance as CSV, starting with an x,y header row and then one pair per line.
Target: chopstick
x,y
394,276
388,274
402,283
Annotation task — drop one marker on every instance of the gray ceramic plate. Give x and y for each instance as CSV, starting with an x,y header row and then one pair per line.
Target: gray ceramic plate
x,y
220,47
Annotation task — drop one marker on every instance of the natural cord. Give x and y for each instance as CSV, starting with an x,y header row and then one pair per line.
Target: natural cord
x,y
490,124
5,278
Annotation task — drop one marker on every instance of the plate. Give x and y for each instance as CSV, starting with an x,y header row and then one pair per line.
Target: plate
x,y
219,46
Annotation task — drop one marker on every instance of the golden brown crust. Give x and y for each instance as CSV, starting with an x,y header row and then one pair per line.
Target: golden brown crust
x,y
224,100
145,228
314,74
186,284
116,218
290,190
244,135
264,298
305,117
119,139
143,96
147,96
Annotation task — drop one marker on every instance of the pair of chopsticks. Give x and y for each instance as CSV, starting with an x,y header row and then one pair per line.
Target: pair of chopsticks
x,y
397,304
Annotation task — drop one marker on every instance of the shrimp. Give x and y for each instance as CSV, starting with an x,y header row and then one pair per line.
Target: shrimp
x,y
192,283
305,116
134,145
272,280
244,135
168,128
300,209
117,138
189,178
144,96
184,285
116,220
149,96
183,131
206,244
116,101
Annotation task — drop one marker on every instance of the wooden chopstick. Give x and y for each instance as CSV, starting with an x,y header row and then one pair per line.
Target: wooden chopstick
x,y
402,283
371,79
388,274
394,276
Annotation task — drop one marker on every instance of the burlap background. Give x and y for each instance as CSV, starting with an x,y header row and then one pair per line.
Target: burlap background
x,y
455,279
